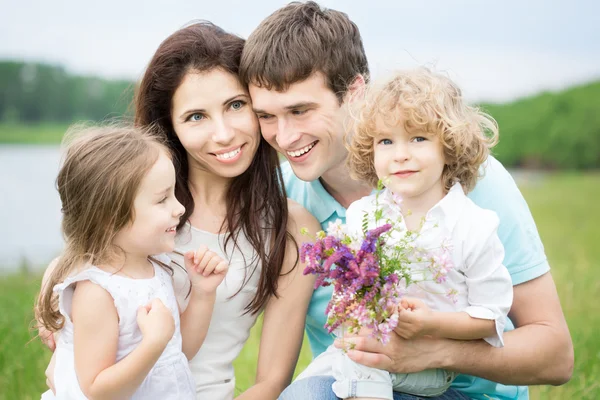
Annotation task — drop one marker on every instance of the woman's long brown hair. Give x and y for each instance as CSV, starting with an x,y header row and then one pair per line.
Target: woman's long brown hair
x,y
256,201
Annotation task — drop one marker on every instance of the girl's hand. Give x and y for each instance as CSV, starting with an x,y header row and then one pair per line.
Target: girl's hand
x,y
47,337
205,269
156,322
415,319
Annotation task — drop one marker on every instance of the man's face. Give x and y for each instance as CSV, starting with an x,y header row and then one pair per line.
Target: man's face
x,y
304,123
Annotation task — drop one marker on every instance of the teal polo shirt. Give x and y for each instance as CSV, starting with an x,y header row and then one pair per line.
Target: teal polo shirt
x,y
524,255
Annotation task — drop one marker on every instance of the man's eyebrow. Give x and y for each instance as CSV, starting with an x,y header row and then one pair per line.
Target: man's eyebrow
x,y
258,111
301,105
295,106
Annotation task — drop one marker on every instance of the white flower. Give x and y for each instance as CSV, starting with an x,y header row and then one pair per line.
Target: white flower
x,y
336,229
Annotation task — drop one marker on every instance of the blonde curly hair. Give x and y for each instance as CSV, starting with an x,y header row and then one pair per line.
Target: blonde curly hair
x,y
425,102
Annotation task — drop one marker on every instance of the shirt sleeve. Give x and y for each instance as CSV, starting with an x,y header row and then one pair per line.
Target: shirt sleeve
x,y
354,216
489,285
524,253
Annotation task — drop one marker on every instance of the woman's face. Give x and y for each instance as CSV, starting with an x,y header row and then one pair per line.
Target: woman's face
x,y
213,118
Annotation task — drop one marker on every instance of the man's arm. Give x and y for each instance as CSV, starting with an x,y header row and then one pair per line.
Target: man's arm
x,y
539,351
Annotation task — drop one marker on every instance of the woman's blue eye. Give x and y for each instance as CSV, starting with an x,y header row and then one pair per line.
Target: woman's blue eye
x,y
238,104
196,117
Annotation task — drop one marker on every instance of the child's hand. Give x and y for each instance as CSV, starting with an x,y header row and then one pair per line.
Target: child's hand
x,y
415,319
205,269
156,322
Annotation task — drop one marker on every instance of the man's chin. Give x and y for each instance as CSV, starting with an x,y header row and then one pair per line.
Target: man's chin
x,y
305,173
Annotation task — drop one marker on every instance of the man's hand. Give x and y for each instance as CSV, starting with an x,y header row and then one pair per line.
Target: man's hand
x,y
398,356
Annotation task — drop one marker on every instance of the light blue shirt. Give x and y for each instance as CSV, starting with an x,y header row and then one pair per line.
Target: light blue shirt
x,y
524,255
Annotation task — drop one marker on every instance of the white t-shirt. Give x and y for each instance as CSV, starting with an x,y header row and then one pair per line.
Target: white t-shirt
x,y
482,285
212,367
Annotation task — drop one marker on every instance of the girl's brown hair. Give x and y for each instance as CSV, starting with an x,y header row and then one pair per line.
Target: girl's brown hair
x,y
423,101
100,175
256,200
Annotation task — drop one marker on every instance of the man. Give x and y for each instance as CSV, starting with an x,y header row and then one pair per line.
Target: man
x,y
302,64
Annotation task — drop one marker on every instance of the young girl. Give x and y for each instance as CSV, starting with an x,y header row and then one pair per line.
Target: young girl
x,y
415,133
120,330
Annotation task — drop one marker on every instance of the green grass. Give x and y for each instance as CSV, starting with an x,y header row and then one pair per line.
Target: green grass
x,y
563,207
44,133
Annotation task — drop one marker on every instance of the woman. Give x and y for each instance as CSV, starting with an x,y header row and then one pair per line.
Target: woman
x,y
229,181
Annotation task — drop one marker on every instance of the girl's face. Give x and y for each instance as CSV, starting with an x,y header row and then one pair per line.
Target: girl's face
x,y
213,118
411,163
156,213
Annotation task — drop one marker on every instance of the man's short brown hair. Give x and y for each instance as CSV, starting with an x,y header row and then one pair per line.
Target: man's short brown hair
x,y
300,39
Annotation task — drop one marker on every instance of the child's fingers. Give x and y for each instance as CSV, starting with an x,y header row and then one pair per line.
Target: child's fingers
x,y
204,260
211,265
200,254
221,267
188,257
404,303
405,316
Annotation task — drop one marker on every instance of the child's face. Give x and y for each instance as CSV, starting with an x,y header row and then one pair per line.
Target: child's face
x,y
411,163
156,213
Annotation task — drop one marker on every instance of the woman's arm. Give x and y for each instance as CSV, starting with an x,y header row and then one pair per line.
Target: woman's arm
x,y
95,340
284,318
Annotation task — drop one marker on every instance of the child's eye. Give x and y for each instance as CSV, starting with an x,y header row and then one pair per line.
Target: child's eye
x,y
385,141
237,105
419,139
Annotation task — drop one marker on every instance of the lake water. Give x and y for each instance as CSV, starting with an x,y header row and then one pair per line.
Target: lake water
x,y
29,206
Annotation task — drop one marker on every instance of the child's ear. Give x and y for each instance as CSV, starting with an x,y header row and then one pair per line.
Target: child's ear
x,y
356,89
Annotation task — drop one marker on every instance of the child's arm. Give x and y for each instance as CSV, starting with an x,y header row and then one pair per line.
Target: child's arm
x,y
206,271
96,334
489,293
416,319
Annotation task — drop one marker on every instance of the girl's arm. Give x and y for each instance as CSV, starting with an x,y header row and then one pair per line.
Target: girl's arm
x,y
96,335
206,271
284,317
195,321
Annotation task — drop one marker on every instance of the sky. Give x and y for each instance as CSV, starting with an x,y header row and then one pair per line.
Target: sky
x,y
496,51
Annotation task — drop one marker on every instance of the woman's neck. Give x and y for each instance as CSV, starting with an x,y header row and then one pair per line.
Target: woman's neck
x,y
209,192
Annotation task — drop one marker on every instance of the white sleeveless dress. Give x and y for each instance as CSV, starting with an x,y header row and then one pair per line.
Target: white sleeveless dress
x,y
170,378
229,328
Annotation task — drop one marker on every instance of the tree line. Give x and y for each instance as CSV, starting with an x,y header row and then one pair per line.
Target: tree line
x,y
549,130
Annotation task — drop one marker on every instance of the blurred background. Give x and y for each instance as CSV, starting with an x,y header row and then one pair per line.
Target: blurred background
x,y
534,66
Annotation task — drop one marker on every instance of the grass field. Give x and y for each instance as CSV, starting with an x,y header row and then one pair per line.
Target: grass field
x,y
44,133
563,206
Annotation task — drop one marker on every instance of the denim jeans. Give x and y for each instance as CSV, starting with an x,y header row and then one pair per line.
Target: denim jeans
x,y
319,388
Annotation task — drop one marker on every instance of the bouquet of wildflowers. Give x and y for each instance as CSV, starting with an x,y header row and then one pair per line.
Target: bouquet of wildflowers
x,y
370,272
